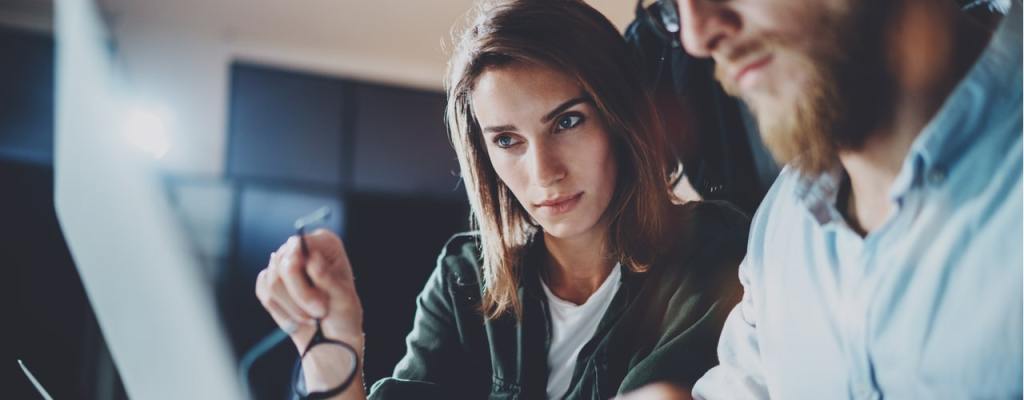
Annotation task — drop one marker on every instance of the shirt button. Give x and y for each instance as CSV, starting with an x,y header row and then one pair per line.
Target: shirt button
x,y
936,177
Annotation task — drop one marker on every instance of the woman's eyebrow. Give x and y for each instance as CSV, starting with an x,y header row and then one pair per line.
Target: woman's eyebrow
x,y
547,117
500,128
564,106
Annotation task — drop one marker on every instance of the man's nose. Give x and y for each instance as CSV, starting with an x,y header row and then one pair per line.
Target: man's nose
x,y
705,25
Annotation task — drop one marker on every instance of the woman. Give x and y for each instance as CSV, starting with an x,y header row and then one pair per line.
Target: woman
x,y
584,280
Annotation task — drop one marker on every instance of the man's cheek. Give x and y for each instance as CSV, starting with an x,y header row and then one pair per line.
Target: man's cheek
x,y
791,76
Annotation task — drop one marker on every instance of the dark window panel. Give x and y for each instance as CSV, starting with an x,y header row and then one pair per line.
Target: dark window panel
x,y
401,143
393,243
26,96
285,126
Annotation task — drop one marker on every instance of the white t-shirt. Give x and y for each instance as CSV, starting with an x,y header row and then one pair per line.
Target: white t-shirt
x,y
572,326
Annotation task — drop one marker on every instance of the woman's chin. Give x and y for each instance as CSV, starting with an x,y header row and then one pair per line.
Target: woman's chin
x,y
563,229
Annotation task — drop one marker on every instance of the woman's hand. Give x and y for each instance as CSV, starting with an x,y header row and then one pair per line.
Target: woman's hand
x,y
296,290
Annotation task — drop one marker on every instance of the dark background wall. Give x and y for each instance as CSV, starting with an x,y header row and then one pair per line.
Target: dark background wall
x,y
377,154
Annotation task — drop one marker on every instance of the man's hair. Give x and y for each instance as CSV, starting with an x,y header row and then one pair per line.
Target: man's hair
x,y
571,37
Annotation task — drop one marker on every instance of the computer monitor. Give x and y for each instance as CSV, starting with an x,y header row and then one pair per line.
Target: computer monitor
x,y
143,279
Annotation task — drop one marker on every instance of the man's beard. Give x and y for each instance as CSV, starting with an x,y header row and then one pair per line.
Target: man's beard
x,y
799,130
845,94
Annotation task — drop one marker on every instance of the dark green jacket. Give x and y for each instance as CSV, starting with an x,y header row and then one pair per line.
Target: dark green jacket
x,y
662,324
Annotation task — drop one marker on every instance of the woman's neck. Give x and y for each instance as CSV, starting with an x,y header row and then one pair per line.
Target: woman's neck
x,y
576,267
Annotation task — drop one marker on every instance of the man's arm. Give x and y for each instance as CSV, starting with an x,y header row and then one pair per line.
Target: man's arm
x,y
739,373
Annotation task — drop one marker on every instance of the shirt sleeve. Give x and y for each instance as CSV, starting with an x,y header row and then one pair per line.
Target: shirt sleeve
x,y
739,373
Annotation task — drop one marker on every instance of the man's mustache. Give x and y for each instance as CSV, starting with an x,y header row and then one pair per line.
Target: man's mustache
x,y
729,60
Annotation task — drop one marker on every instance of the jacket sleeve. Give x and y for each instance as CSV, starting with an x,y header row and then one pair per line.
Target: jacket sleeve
x,y
692,302
431,365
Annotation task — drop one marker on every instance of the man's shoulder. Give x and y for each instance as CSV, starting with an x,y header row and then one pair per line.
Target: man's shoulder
x,y
784,195
782,213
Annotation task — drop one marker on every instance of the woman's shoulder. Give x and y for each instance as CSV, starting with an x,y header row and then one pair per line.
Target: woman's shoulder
x,y
462,244
460,260
709,223
710,234
711,215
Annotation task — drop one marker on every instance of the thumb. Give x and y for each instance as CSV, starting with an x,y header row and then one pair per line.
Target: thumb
x,y
334,278
331,248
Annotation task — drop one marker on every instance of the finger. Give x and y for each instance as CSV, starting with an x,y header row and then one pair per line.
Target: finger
x,y
262,284
280,317
332,249
276,291
275,257
327,277
293,274
289,248
295,313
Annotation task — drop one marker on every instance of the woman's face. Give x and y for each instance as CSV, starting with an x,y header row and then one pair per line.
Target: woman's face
x,y
548,144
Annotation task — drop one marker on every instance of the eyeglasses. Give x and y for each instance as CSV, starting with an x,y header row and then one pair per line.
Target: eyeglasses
x,y
337,374
663,16
332,362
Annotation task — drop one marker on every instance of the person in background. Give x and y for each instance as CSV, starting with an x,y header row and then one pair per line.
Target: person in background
x,y
583,280
886,260
713,136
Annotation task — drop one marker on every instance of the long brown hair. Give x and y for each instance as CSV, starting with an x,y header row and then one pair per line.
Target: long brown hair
x,y
571,37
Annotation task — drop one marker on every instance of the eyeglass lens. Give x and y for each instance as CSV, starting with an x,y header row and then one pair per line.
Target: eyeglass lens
x,y
669,15
327,368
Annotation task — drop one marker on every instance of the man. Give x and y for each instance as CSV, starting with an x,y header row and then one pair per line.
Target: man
x,y
886,260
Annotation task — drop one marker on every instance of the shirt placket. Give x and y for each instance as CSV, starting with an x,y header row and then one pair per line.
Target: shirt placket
x,y
855,256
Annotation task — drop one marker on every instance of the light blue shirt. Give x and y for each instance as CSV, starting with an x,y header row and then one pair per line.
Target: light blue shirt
x,y
929,305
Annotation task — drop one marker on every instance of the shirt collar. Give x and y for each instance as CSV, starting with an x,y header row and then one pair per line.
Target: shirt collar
x,y
819,193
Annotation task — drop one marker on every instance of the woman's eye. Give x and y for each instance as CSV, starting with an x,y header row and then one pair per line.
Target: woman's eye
x,y
569,121
504,141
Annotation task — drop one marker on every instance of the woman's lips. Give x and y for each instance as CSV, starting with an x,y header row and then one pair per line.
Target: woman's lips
x,y
560,205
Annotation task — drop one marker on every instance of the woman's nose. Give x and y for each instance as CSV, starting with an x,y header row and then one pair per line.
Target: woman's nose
x,y
547,166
